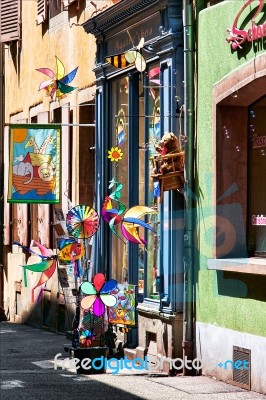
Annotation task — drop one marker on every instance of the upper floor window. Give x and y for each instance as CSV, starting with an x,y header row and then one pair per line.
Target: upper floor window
x,y
10,20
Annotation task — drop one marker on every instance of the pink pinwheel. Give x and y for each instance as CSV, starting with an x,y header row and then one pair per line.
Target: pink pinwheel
x,y
57,86
98,294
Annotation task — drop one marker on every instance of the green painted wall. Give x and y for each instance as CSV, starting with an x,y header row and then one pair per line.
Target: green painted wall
x,y
219,299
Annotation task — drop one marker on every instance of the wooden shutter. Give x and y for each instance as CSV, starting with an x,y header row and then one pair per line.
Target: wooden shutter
x,y
42,11
9,20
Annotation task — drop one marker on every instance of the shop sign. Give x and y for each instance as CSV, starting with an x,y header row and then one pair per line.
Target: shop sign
x,y
258,220
253,32
258,141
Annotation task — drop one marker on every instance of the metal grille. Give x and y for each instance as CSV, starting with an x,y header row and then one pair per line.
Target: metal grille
x,y
242,367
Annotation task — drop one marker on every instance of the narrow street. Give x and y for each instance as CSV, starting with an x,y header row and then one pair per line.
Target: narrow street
x,y
27,372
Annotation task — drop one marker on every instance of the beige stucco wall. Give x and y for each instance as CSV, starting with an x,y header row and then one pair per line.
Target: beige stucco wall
x,y
61,36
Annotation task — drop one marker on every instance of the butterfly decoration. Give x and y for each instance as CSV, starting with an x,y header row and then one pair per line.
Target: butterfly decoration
x,y
58,84
131,220
98,294
130,57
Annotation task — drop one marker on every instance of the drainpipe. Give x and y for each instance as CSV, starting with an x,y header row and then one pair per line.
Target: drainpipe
x,y
1,174
188,309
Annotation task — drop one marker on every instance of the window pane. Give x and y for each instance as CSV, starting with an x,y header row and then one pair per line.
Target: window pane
x,y
149,133
257,180
120,172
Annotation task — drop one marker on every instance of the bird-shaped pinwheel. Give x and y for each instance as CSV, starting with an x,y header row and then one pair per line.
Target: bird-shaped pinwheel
x,y
57,86
98,294
46,266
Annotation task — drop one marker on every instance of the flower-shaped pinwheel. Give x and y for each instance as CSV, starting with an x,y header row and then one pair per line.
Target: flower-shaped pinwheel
x,y
58,84
86,337
115,154
98,294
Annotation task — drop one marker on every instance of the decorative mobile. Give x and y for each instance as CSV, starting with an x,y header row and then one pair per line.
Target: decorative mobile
x,y
57,86
82,222
131,220
130,57
115,154
98,294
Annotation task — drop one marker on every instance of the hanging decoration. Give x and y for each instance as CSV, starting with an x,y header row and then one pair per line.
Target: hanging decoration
x,y
98,294
70,250
121,127
130,57
124,311
82,222
58,85
111,215
34,170
46,266
115,154
131,220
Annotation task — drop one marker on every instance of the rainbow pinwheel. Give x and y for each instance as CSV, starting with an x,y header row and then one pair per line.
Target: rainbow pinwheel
x,y
57,86
98,294
82,222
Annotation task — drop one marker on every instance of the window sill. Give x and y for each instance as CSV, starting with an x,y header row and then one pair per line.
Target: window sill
x,y
253,265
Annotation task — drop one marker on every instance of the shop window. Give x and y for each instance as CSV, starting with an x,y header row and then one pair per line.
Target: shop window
x,y
257,179
240,182
144,110
120,110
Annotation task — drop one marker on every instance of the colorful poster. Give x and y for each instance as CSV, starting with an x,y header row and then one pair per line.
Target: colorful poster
x,y
124,311
34,168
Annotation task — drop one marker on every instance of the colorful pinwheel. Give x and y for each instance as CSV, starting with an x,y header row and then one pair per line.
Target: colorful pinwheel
x,y
86,337
71,250
131,220
47,266
57,86
110,214
98,294
82,222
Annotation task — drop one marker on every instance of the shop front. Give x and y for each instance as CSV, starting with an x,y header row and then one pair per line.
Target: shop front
x,y
139,93
231,306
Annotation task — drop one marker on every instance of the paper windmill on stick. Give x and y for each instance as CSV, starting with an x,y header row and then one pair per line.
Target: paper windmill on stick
x,y
58,84
98,294
82,222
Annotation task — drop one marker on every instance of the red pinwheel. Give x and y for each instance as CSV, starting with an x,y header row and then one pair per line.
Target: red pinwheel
x,y
57,86
98,294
